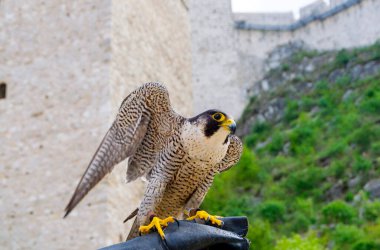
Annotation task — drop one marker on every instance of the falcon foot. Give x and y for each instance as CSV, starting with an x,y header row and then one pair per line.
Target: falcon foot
x,y
207,217
158,224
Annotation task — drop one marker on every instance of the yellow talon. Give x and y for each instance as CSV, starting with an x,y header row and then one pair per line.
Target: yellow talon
x,y
206,216
158,224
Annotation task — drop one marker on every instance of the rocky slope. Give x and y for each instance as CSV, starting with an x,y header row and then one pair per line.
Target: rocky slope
x,y
310,172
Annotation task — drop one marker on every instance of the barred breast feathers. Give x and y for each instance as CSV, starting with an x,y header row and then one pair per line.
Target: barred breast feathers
x,y
198,146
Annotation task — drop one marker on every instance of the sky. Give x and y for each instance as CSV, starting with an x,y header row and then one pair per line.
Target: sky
x,y
269,5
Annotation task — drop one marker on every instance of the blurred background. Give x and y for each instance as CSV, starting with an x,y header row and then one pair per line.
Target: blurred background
x,y
302,78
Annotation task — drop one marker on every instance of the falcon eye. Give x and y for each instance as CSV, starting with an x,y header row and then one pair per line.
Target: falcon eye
x,y
218,117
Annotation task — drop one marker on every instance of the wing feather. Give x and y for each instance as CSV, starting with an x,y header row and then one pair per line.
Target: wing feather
x,y
233,154
110,152
123,139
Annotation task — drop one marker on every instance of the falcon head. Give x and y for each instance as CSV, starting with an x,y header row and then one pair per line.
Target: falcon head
x,y
215,124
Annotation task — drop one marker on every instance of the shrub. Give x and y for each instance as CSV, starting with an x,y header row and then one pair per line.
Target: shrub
x,y
299,56
371,105
338,211
372,210
349,196
310,242
246,170
371,102
285,67
304,181
327,105
366,245
307,103
348,121
375,148
300,223
251,140
260,127
260,235
362,164
342,58
363,137
338,168
306,207
303,137
346,235
275,191
343,81
373,230
291,111
321,86
334,149
272,210
277,143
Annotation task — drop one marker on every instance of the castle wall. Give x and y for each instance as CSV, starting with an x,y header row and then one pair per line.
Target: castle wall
x,y
352,27
150,43
56,69
214,57
313,8
278,18
67,67
228,58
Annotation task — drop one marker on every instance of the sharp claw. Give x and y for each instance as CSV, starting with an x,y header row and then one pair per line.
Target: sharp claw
x,y
206,217
177,222
156,224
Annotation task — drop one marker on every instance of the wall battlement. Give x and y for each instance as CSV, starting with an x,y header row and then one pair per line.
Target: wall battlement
x,y
316,11
249,38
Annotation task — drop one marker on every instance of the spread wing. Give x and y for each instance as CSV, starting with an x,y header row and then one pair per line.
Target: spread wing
x,y
233,154
136,121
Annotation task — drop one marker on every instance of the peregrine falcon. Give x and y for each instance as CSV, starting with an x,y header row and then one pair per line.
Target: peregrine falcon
x,y
178,156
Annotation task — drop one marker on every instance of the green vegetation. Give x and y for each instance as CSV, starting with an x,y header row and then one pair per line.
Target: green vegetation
x,y
300,180
338,212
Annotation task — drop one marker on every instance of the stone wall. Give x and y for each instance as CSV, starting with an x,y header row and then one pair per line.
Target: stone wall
x,y
150,43
239,63
349,28
313,8
214,57
67,67
280,18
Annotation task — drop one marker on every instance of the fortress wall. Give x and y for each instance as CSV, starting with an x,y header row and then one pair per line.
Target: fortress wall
x,y
214,57
355,26
150,43
316,7
67,67
56,69
275,18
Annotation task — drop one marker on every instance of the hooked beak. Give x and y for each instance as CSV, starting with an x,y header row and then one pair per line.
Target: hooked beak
x,y
230,124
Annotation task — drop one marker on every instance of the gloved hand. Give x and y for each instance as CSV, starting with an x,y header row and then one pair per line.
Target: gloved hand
x,y
189,235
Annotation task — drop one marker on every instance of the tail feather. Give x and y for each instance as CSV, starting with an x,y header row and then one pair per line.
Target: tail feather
x,y
134,230
133,214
